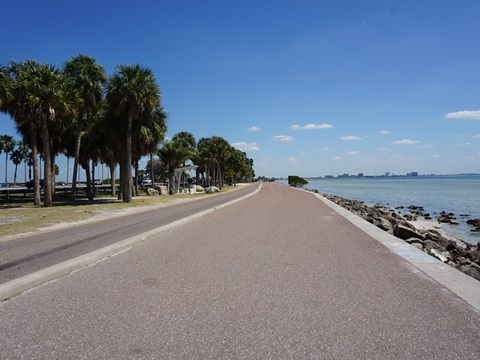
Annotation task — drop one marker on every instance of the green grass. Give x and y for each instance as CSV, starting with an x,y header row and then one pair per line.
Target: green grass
x,y
18,215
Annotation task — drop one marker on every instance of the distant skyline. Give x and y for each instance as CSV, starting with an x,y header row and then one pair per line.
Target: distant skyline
x,y
305,88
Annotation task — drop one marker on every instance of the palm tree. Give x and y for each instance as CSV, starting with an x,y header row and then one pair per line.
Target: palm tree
x,y
23,148
130,91
17,157
186,140
207,159
88,78
6,83
172,154
221,150
7,144
43,98
148,133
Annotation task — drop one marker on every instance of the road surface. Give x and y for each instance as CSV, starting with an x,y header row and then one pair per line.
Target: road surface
x,y
279,275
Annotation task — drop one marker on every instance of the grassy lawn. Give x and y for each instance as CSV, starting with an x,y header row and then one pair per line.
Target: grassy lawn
x,y
18,215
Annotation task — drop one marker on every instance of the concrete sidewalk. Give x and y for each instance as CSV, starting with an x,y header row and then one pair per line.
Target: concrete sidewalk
x,y
279,275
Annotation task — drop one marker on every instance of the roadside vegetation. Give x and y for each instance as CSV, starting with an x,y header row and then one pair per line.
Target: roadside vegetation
x,y
19,216
296,181
91,118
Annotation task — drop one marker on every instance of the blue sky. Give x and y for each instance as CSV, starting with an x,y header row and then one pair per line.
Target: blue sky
x,y
309,88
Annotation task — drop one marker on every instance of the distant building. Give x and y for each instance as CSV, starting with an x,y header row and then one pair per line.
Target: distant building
x,y
360,175
413,173
328,176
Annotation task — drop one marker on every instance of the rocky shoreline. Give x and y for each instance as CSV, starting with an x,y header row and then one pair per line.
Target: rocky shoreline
x,y
458,254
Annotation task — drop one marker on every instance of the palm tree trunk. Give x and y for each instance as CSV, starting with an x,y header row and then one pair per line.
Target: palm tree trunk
x,y
151,170
128,159
47,168
92,183
135,185
112,176
86,166
15,176
36,183
78,140
6,168
52,171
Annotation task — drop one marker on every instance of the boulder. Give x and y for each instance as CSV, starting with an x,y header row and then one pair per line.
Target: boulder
x,y
152,192
199,189
474,222
405,232
442,256
212,189
472,270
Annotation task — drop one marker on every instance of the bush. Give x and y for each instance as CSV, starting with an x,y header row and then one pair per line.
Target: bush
x,y
296,181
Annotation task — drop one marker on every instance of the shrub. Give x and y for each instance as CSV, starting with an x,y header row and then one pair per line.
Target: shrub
x,y
296,181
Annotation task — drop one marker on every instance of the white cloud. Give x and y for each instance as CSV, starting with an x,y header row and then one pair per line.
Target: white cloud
x,y
253,128
317,127
337,158
476,136
244,146
292,160
385,132
426,146
355,152
311,127
465,144
326,149
405,142
284,138
435,156
350,138
467,114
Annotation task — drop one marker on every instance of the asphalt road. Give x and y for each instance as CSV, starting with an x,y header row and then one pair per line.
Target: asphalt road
x,y
26,255
279,275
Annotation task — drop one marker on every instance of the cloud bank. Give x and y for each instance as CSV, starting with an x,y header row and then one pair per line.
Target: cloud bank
x,y
467,114
244,146
311,127
284,138
405,142
350,138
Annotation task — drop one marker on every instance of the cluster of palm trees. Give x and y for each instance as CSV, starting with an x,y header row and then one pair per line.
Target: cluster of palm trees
x,y
18,151
217,160
79,111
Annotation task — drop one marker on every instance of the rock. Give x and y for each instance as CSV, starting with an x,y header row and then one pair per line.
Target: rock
x,y
152,192
472,270
419,246
383,224
212,189
430,244
162,190
200,189
410,217
442,256
474,222
403,232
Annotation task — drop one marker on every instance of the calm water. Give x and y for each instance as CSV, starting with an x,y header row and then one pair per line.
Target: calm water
x,y
455,194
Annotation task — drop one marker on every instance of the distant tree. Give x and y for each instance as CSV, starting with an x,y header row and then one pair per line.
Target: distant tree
x,y
7,144
17,157
296,181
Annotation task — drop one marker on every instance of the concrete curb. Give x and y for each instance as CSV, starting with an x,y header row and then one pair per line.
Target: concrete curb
x,y
27,282
461,284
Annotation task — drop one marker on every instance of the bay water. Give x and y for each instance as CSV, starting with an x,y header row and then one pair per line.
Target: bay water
x,y
459,195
